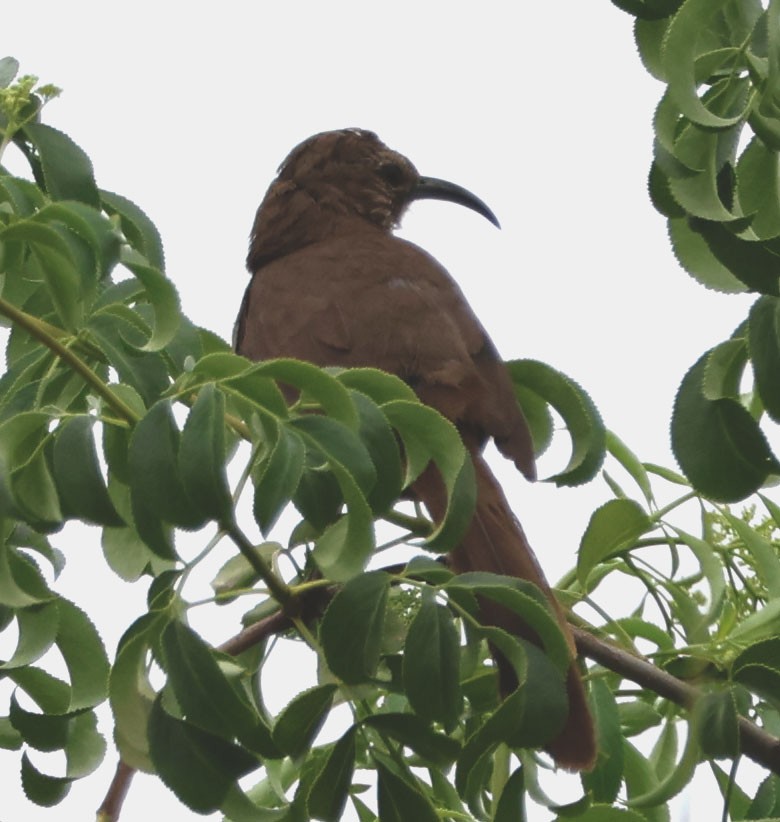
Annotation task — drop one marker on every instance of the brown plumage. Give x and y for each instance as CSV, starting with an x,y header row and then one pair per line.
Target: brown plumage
x,y
332,285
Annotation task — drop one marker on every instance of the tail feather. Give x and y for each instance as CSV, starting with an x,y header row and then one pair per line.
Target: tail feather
x,y
495,542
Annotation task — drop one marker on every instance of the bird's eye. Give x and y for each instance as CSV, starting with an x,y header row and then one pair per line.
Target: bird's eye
x,y
392,173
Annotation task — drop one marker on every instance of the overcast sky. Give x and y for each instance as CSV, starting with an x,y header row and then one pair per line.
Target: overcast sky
x,y
542,109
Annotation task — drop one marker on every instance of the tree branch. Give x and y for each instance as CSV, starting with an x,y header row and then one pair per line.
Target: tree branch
x,y
755,743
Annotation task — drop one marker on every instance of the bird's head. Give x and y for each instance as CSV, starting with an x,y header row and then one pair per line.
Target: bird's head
x,y
344,174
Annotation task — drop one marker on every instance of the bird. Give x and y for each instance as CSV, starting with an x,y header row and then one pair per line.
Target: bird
x,y
333,285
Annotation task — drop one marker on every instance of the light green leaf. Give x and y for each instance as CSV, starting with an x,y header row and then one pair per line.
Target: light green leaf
x,y
612,528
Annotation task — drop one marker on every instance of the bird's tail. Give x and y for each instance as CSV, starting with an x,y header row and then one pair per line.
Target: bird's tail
x,y
495,542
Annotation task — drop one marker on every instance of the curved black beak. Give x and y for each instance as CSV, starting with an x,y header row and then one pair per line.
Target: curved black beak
x,y
431,188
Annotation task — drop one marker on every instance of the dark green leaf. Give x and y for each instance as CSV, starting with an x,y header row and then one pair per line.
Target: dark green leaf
x,y
524,599
40,788
161,295
583,422
511,804
426,436
401,799
84,655
431,667
435,748
718,443
140,231
715,720
205,695
764,344
202,456
80,484
696,257
37,627
277,478
380,441
351,628
330,789
67,170
155,479
298,724
21,583
605,779
200,768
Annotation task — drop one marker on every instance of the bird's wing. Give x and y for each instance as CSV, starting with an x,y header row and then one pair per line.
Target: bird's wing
x,y
370,299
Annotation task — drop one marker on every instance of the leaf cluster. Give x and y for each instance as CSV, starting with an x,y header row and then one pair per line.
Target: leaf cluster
x,y
715,178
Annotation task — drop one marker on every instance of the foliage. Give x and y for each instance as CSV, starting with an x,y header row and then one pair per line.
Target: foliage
x,y
117,411
716,183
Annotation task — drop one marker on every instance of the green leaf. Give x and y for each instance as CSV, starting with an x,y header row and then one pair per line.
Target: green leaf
x,y
431,666
316,384
330,789
67,170
757,189
380,441
37,627
511,803
426,436
675,775
605,813
380,386
277,478
717,442
89,226
44,732
131,692
80,484
753,263
435,748
298,724
351,629
604,781
35,494
139,230
163,298
84,655
612,528
339,444
524,599
715,721
21,583
712,568
9,68
585,427
758,667
626,457
764,553
680,50
205,695
202,456
764,345
156,482
40,788
200,768
401,799
695,256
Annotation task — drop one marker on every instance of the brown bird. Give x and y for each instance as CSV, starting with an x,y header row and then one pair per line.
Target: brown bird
x,y
332,285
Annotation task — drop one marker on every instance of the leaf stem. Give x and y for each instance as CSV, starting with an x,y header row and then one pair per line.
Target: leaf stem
x,y
51,337
277,588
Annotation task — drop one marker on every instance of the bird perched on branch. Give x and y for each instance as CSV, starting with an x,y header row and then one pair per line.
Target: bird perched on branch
x,y
332,285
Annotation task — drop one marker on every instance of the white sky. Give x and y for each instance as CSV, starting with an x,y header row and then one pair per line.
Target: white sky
x,y
542,109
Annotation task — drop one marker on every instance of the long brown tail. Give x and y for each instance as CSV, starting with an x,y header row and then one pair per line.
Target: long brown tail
x,y
495,542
